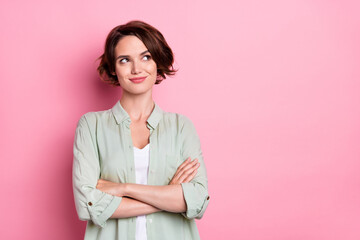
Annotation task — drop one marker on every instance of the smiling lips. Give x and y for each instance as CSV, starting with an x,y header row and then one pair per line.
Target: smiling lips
x,y
137,80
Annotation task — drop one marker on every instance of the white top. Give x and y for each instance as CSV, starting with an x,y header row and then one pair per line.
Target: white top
x,y
141,159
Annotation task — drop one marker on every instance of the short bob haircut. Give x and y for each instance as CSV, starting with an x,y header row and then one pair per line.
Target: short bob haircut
x,y
152,39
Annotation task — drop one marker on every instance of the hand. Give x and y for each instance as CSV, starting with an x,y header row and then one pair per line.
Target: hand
x,y
185,172
115,189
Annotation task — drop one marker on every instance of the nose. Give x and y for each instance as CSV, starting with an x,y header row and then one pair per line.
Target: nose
x,y
136,68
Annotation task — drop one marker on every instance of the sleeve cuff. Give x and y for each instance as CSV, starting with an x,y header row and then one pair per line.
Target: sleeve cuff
x,y
100,218
195,201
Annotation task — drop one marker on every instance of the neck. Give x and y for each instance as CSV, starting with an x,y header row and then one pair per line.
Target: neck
x,y
139,107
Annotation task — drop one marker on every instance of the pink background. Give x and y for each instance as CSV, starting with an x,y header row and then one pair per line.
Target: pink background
x,y
272,87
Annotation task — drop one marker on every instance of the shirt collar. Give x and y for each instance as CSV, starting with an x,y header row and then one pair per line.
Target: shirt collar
x,y
122,116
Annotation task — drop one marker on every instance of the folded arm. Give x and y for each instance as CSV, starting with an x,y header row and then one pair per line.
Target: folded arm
x,y
91,203
132,208
147,198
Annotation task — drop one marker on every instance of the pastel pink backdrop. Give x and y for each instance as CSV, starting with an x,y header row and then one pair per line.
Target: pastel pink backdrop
x,y
272,87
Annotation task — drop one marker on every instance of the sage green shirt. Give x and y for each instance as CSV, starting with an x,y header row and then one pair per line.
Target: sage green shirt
x,y
103,149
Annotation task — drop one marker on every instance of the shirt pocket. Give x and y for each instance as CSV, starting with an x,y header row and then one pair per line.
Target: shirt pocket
x,y
171,163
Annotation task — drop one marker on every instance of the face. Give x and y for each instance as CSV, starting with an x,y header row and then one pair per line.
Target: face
x,y
134,61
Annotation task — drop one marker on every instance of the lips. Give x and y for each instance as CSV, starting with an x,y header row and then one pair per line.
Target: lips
x,y
137,80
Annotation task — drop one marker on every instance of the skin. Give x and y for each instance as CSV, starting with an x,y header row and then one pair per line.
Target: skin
x,y
133,60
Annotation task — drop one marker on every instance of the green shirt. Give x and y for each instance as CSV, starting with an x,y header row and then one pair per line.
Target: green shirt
x,y
103,149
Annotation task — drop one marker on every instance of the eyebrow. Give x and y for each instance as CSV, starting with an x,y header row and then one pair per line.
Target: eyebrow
x,y
121,56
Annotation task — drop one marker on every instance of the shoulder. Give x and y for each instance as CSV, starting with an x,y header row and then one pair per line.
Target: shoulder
x,y
177,119
94,117
181,126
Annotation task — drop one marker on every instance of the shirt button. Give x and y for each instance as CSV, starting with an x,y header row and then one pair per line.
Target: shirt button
x,y
129,146
90,203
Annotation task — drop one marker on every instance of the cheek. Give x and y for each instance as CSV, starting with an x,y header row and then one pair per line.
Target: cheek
x,y
151,68
122,71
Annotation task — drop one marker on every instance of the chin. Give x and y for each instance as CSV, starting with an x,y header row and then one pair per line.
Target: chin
x,y
137,91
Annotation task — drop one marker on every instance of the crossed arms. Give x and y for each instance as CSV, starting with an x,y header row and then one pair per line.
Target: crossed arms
x,y
140,199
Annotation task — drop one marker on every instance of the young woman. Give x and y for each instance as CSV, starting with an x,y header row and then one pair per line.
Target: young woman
x,y
138,171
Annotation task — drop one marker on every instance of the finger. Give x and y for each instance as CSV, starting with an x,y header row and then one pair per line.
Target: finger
x,y
187,169
185,166
188,172
190,165
181,167
191,176
187,161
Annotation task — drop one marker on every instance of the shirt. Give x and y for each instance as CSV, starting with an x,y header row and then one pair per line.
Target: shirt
x,y
103,149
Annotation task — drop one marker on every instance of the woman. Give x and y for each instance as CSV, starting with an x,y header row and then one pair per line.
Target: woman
x,y
138,172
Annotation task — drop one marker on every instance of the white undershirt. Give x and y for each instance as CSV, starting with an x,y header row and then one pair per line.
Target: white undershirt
x,y
141,159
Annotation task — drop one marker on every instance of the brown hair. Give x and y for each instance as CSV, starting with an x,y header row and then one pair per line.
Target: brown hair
x,y
152,39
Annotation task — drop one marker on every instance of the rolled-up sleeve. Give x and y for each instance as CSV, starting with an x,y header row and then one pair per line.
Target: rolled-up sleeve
x,y
91,203
196,191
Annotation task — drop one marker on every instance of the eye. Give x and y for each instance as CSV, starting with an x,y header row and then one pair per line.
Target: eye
x,y
147,57
124,60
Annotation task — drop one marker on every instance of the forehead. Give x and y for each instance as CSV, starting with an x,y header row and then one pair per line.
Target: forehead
x,y
129,45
